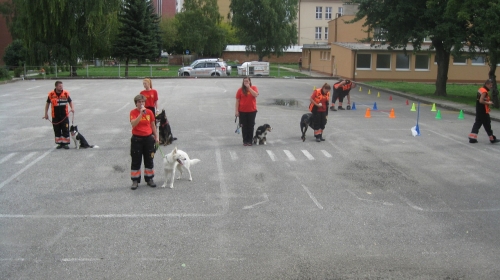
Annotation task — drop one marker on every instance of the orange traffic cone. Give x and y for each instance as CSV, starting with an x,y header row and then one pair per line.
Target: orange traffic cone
x,y
392,115
407,102
367,114
390,97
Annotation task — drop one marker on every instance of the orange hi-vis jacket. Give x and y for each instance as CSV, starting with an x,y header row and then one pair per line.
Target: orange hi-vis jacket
x,y
318,96
56,101
486,98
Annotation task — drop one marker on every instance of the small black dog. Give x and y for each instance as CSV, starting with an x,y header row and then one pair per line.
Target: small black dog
x,y
261,133
165,132
78,137
305,122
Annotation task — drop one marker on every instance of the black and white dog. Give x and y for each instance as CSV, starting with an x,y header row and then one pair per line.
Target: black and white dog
x,y
305,122
165,132
78,138
261,133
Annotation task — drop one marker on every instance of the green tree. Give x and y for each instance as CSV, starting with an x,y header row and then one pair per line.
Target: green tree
x,y
63,31
139,32
169,34
483,32
411,22
199,29
15,54
231,34
265,26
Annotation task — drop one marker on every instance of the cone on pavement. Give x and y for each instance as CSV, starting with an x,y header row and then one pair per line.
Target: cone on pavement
x,y
369,91
413,109
433,107
407,102
353,106
360,89
392,115
438,115
368,114
461,115
375,106
390,97
314,87
378,94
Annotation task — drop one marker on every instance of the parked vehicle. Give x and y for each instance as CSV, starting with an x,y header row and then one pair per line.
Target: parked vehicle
x,y
205,68
254,68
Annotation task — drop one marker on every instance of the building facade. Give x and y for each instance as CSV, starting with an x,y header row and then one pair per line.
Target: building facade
x,y
313,17
166,8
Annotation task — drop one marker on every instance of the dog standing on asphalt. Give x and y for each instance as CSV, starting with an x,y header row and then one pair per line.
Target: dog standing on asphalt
x,y
177,159
305,122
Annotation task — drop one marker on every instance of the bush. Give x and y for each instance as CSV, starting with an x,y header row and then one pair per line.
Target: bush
x,y
18,71
4,74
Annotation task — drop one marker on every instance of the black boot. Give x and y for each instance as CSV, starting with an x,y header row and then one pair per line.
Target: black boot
x,y
495,140
318,139
321,137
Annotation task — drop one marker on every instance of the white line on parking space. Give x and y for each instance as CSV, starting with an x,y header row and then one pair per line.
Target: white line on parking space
x,y
271,155
124,106
312,197
233,155
33,88
7,157
289,155
26,157
25,168
307,154
326,153
266,199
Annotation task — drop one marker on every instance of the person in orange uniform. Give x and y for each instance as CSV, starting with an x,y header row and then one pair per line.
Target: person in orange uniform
x,y
342,89
483,103
151,95
246,109
59,99
319,109
144,138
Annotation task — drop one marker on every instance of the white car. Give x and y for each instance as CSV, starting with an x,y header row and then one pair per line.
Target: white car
x,y
205,68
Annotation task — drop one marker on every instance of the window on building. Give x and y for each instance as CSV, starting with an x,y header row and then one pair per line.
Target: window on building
x,y
340,11
379,34
324,55
383,61
459,60
328,12
319,12
479,60
421,62
326,33
402,62
363,61
318,33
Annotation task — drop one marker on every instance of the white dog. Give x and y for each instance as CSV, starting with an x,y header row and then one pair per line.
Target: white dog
x,y
180,160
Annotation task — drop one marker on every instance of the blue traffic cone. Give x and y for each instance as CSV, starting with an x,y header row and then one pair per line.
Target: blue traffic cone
x,y
375,106
353,106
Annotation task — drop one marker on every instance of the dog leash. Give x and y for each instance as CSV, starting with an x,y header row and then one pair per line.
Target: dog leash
x,y
72,119
158,148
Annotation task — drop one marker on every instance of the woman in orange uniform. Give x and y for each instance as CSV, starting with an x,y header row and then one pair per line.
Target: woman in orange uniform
x,y
319,109
151,95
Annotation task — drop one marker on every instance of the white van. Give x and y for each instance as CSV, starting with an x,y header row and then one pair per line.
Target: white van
x,y
254,68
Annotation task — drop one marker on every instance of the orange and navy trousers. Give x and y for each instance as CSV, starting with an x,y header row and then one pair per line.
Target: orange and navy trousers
x,y
142,147
61,130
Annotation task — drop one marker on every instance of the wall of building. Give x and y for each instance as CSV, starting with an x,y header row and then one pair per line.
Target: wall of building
x,y
341,31
307,22
224,8
242,57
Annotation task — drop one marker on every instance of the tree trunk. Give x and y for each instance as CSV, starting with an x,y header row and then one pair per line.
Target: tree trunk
x,y
443,62
126,67
493,77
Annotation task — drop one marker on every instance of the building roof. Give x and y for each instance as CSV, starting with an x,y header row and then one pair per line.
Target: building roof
x,y
241,48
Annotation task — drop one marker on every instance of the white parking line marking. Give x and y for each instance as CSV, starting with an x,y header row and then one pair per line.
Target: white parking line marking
x,y
271,155
326,153
312,197
289,155
307,154
124,106
26,157
266,199
14,176
33,88
233,154
7,157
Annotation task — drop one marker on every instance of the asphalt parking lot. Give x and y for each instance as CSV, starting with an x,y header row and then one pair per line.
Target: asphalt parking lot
x,y
371,202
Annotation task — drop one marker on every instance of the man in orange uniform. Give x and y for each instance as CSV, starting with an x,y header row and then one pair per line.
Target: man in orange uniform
x,y
483,114
59,100
319,109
